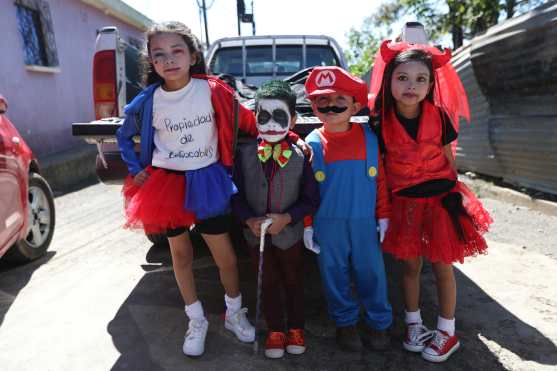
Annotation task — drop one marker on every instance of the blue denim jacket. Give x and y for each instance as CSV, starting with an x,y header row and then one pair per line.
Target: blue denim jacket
x,y
139,116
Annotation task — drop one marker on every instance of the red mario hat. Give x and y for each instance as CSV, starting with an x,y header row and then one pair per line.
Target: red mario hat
x,y
332,79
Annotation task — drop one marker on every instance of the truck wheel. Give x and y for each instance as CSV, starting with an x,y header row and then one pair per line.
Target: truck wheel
x,y
41,221
158,239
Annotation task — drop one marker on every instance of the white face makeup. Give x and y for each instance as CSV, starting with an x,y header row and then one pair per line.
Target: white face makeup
x,y
273,119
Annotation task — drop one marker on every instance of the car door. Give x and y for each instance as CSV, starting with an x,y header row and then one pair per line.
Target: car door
x,y
12,204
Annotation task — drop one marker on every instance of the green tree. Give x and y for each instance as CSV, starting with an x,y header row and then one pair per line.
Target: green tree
x,y
462,19
363,43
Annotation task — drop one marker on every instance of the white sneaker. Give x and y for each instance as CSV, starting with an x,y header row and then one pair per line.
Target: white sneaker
x,y
240,326
194,342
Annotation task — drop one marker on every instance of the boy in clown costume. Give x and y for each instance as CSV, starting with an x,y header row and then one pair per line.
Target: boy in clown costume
x,y
354,203
275,180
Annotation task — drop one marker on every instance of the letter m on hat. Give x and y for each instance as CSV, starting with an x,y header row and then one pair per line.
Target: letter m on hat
x,y
325,78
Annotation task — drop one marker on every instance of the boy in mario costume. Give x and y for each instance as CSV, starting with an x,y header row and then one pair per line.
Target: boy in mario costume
x,y
354,203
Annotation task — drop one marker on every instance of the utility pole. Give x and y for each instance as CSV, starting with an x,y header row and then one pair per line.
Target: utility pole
x,y
204,8
244,17
241,10
253,19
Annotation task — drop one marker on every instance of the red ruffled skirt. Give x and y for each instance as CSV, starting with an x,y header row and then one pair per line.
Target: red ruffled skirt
x,y
423,227
157,205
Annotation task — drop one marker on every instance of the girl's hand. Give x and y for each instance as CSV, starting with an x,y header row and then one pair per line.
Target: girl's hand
x,y
306,148
279,222
141,177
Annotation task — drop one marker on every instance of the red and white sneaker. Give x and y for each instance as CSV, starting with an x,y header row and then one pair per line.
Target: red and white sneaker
x,y
295,343
440,347
417,337
276,342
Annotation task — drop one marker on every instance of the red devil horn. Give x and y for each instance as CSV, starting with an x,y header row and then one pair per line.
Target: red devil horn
x,y
386,52
440,59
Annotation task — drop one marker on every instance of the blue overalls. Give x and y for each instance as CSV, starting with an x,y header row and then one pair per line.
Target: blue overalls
x,y
345,228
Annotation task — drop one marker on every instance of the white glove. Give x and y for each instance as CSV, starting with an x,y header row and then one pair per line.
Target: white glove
x,y
308,240
383,226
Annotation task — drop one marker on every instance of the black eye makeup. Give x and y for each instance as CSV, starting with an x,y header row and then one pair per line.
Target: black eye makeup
x,y
280,116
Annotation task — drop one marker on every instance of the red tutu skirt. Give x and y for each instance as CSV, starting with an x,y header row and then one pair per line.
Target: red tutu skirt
x,y
424,227
158,204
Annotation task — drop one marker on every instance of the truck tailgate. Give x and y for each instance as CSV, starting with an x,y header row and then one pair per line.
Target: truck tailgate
x,y
105,130
100,130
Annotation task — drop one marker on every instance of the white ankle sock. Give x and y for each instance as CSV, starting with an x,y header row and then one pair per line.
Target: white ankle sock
x,y
447,325
232,304
195,310
413,317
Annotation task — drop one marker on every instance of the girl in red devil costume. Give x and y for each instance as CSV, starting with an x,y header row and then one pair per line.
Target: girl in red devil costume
x,y
416,99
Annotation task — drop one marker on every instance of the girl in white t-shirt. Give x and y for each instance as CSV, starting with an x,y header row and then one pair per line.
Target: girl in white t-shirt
x,y
181,177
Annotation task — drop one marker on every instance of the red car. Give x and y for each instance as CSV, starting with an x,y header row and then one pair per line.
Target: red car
x,y
26,202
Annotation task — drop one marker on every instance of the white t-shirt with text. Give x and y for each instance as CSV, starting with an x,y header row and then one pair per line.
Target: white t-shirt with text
x,y
186,136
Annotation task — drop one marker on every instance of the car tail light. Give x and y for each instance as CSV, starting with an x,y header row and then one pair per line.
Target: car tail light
x,y
104,84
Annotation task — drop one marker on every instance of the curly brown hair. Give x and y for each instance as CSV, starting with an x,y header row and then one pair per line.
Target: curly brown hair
x,y
148,74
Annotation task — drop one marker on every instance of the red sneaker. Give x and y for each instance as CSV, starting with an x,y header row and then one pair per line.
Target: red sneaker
x,y
417,337
440,347
296,343
274,347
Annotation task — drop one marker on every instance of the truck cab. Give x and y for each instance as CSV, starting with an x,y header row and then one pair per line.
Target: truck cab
x,y
257,59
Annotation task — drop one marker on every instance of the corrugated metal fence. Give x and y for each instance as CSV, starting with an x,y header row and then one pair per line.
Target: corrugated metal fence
x,y
510,75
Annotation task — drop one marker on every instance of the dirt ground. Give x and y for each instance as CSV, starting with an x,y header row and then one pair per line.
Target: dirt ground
x,y
104,298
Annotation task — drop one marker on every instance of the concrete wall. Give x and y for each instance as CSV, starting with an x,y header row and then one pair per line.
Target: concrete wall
x,y
43,105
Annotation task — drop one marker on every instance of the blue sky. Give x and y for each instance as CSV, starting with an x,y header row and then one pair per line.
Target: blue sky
x,y
325,17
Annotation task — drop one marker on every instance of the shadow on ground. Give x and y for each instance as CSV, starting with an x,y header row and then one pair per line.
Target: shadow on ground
x,y
13,278
148,328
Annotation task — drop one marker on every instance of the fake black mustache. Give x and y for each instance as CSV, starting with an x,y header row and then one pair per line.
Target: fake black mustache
x,y
334,109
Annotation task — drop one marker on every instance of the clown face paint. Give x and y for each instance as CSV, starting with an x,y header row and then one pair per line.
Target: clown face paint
x,y
273,119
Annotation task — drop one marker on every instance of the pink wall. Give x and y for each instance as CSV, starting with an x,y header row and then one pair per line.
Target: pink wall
x,y
44,105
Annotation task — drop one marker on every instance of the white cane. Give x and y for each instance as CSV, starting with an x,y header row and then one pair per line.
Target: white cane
x,y
266,223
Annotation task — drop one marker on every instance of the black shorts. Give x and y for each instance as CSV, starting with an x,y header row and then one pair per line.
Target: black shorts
x,y
216,225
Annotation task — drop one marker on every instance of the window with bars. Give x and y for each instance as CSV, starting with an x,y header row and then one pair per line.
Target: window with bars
x,y
35,26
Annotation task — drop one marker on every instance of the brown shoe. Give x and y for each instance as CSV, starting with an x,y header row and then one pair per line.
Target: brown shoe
x,y
348,339
377,340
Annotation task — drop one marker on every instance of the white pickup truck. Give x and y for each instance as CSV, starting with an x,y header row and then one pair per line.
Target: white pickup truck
x,y
243,62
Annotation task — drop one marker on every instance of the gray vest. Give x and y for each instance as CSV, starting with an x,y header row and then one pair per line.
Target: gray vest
x,y
284,191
